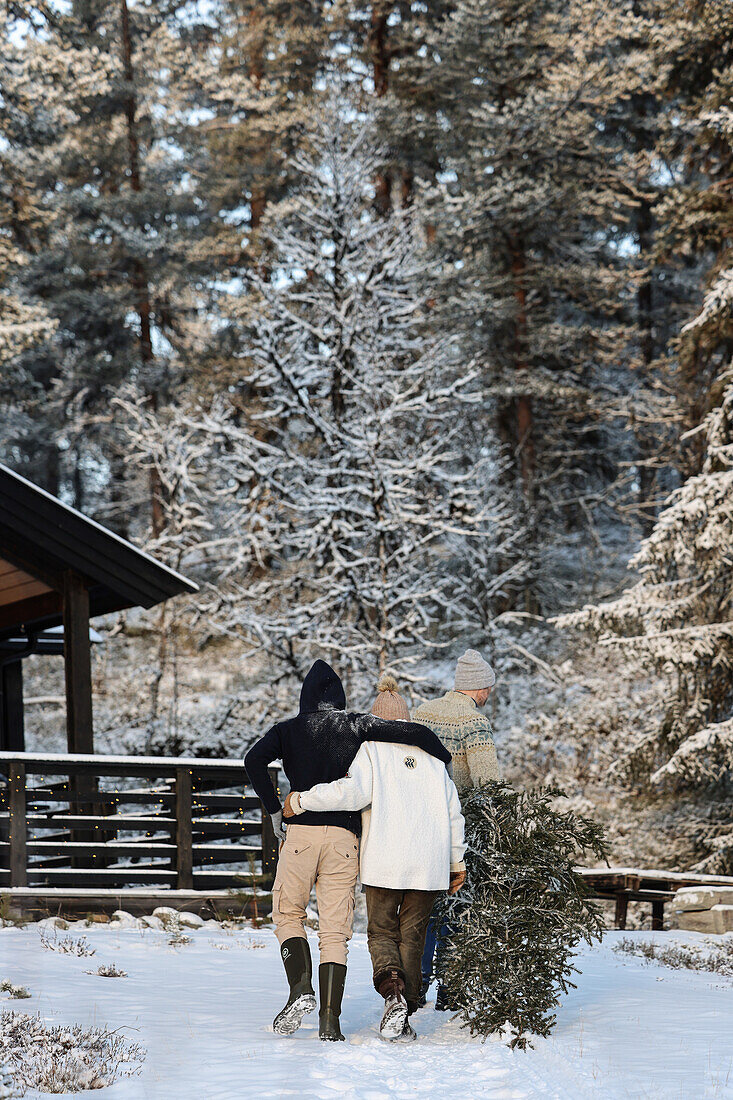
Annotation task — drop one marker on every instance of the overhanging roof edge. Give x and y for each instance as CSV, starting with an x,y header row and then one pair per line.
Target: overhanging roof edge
x,y
114,539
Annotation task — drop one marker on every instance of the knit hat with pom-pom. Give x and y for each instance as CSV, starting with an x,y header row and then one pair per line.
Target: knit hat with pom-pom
x,y
389,703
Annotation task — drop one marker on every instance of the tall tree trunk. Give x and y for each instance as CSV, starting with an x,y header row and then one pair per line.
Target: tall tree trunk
x,y
256,68
524,436
379,53
119,503
51,464
77,479
139,274
645,319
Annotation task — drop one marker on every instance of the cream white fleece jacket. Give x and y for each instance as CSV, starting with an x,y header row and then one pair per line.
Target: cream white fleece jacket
x,y
412,825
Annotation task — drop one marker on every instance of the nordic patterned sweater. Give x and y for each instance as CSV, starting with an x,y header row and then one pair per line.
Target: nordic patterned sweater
x,y
467,735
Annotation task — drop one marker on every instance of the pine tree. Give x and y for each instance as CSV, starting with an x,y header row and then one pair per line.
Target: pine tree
x,y
377,42
521,914
269,56
352,503
22,324
677,620
32,112
100,100
510,96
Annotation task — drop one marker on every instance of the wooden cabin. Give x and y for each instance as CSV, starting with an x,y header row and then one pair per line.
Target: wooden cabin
x,y
59,568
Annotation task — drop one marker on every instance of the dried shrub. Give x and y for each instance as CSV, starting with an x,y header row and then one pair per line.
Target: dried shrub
x,y
716,958
60,1059
108,970
67,945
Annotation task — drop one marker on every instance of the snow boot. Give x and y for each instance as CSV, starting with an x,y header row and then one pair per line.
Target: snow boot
x,y
443,1002
331,981
296,957
408,1033
392,988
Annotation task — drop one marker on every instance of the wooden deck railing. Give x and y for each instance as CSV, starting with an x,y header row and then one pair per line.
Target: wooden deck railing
x,y
116,821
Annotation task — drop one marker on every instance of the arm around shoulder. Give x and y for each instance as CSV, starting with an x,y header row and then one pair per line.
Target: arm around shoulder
x,y
353,792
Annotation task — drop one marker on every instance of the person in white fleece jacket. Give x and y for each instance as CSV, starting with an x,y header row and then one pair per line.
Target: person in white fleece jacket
x,y
412,849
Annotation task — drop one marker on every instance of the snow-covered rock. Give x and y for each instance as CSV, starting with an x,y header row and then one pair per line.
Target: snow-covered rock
x,y
165,914
190,920
151,921
124,919
702,897
52,922
715,921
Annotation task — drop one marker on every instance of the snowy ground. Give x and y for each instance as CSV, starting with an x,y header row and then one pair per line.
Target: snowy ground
x,y
203,1011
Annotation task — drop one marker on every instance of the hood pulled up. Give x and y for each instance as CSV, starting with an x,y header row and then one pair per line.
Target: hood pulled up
x,y
322,687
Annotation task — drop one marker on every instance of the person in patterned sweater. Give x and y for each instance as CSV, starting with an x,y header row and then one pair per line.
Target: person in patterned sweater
x,y
457,720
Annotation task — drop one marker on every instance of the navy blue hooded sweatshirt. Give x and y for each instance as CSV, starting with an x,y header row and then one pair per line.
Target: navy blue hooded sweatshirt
x,y
318,745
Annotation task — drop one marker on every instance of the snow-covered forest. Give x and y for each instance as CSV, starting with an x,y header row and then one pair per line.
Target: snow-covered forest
x,y
399,327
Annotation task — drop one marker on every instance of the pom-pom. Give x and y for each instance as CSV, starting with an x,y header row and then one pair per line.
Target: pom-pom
x,y
387,683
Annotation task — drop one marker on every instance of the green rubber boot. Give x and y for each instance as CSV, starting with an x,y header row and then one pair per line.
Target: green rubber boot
x,y
296,956
331,981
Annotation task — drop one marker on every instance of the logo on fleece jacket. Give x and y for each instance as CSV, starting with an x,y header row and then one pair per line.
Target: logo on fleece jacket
x,y
410,762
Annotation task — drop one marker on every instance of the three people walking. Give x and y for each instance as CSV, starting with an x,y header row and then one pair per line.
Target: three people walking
x,y
316,746
385,779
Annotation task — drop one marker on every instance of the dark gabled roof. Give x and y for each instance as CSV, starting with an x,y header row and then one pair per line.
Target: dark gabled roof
x,y
45,538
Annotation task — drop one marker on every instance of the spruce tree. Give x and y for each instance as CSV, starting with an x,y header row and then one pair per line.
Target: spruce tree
x,y
516,923
676,621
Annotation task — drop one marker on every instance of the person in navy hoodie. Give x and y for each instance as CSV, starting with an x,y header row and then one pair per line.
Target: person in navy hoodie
x,y
318,746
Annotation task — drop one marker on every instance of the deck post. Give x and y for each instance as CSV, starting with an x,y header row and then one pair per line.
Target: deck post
x,y
12,733
658,915
622,905
77,665
18,854
184,841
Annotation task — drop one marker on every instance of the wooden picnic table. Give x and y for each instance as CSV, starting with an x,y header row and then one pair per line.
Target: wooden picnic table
x,y
625,884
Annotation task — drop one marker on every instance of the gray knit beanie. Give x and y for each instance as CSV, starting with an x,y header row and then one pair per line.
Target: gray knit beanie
x,y
473,672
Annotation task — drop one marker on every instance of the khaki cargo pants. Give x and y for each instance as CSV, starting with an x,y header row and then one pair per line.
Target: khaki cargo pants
x,y
328,856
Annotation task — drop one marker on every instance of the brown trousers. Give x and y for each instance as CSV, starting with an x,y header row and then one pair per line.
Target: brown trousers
x,y
329,857
396,924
